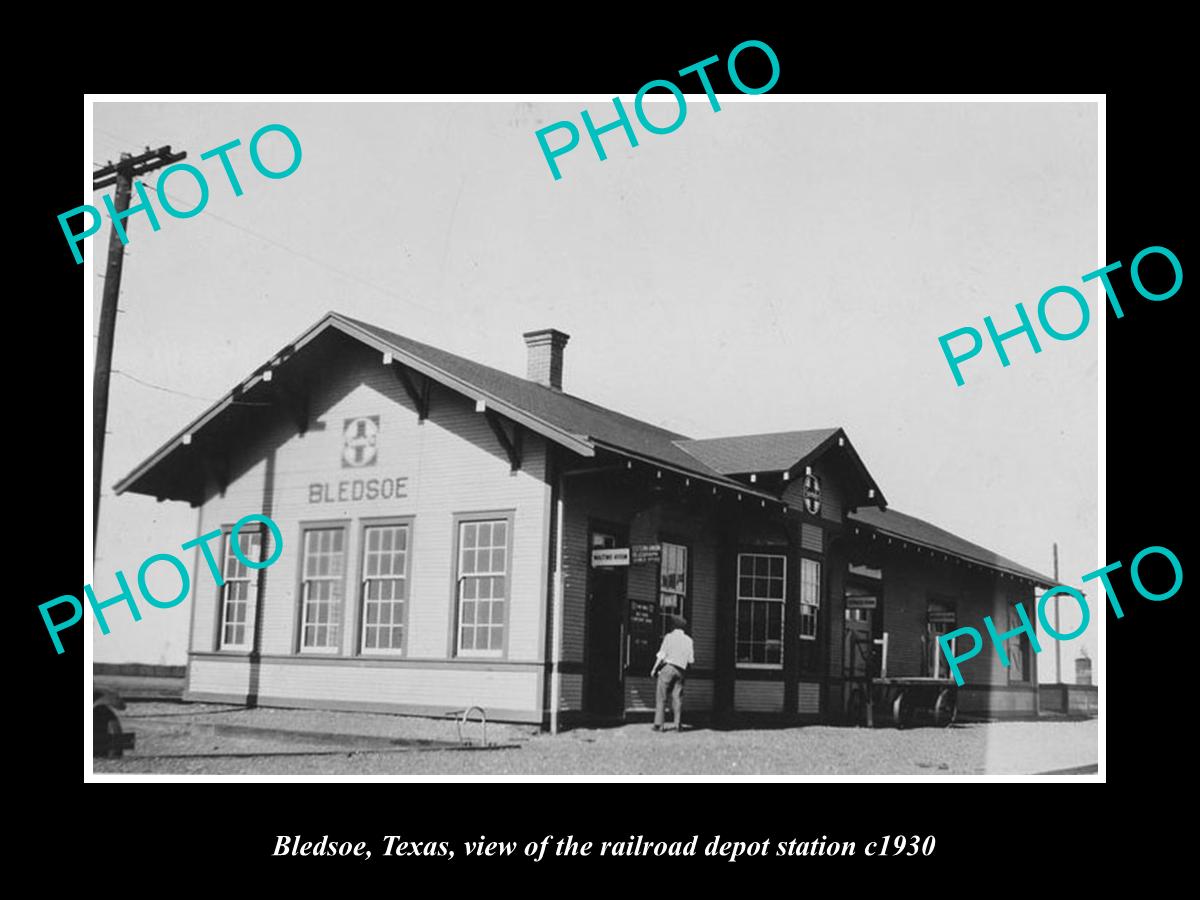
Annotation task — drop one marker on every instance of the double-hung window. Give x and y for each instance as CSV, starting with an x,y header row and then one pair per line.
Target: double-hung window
x,y
482,581
384,588
810,597
323,569
760,599
672,585
240,590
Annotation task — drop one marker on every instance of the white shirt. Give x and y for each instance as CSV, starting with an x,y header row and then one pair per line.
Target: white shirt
x,y
676,649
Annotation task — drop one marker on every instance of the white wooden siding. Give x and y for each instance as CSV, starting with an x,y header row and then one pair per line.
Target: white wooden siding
x,y
453,464
402,686
216,676
452,688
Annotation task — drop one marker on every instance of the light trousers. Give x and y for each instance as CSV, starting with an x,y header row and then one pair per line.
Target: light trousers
x,y
670,680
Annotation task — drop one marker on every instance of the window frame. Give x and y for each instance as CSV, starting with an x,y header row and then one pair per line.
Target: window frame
x,y
301,594
935,659
360,613
1024,650
455,649
801,603
737,609
685,606
253,580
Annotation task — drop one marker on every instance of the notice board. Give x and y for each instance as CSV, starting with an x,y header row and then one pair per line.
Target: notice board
x,y
643,635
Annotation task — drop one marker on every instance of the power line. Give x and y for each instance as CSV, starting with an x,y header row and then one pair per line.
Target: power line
x,y
112,134
321,263
159,387
440,314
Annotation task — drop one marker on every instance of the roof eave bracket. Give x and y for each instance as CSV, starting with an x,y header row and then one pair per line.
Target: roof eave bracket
x,y
512,445
419,397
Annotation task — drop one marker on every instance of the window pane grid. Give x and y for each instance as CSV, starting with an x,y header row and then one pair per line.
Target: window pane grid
x,y
323,567
385,587
482,586
672,589
760,606
239,588
810,597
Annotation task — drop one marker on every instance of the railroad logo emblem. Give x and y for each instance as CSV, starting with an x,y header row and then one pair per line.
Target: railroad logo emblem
x,y
812,494
359,442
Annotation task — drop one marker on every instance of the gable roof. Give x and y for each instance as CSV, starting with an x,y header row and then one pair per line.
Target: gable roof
x,y
918,531
785,451
747,453
573,422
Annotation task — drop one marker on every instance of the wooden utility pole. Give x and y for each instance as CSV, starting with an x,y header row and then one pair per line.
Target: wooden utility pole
x,y
122,175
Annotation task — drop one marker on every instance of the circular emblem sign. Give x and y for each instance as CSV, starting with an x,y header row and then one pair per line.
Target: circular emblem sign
x,y
812,494
358,442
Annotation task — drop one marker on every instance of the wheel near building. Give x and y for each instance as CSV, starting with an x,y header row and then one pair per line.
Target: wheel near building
x,y
945,708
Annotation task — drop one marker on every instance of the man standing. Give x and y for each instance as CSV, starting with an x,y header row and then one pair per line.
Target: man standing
x,y
674,656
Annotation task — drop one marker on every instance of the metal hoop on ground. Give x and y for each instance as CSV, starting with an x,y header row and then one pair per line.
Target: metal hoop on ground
x,y
462,717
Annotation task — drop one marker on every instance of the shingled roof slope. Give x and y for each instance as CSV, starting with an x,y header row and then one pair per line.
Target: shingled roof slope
x,y
565,411
919,531
775,452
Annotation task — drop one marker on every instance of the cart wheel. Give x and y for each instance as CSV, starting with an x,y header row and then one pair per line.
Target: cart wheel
x,y
945,708
902,712
856,707
106,733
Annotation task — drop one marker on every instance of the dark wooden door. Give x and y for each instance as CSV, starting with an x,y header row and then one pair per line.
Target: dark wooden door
x,y
858,647
604,684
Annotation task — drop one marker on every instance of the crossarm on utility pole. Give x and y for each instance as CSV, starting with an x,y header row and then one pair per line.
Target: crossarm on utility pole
x,y
121,174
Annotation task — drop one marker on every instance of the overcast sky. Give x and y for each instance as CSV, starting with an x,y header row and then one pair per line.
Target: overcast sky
x,y
771,267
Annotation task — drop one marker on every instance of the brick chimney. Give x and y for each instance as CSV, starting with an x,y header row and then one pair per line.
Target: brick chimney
x,y
546,356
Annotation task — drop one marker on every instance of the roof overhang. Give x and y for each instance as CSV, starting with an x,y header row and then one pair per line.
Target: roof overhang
x,y
1024,575
332,321
718,481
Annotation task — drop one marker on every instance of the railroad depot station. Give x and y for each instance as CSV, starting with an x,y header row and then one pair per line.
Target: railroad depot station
x,y
455,535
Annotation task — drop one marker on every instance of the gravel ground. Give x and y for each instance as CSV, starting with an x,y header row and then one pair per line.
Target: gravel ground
x,y
192,739
398,728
